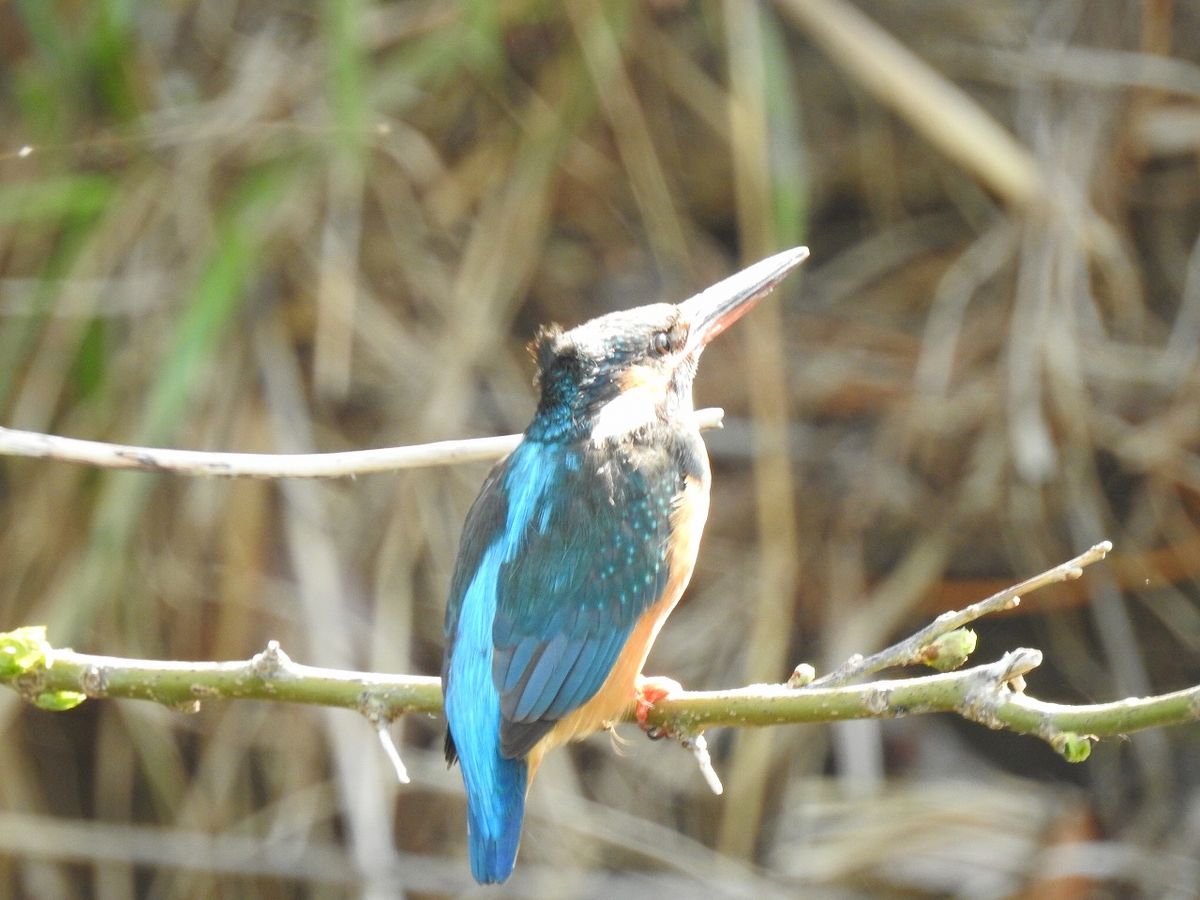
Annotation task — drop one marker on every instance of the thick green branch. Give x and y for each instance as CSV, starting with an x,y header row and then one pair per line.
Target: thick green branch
x,y
990,694
269,675
985,694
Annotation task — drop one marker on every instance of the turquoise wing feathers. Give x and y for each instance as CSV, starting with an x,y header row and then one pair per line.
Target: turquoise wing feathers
x,y
594,560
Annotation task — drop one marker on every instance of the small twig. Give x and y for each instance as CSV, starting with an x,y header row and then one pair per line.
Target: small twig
x,y
389,749
699,747
909,650
269,465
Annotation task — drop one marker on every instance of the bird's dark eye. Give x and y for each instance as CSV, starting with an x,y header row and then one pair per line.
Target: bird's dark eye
x,y
661,343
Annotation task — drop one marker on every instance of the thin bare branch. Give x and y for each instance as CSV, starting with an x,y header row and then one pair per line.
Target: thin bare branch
x,y
909,651
269,465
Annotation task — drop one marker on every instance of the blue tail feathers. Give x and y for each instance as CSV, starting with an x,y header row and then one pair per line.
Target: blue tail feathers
x,y
495,784
494,818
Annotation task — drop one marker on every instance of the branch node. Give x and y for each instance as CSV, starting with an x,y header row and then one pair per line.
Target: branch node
x,y
377,712
271,662
842,673
995,683
94,681
1018,662
980,706
877,700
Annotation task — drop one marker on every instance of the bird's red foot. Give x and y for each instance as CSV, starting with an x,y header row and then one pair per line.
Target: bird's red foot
x,y
648,691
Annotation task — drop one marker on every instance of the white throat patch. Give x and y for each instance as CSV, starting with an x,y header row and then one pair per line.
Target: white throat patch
x,y
628,411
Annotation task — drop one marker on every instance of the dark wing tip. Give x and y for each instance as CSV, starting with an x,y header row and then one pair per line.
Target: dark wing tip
x,y
450,749
518,738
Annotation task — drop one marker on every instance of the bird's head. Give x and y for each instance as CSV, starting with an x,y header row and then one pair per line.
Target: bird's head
x,y
624,371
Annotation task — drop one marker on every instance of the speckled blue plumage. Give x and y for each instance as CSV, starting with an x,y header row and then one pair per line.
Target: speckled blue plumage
x,y
568,602
562,553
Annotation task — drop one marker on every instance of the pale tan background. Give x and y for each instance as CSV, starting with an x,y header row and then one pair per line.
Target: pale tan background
x,y
289,226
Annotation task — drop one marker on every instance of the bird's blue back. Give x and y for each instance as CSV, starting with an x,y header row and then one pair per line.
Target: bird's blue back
x,y
562,553
491,537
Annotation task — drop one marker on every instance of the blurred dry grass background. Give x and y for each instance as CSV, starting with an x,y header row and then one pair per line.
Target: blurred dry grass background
x,y
281,226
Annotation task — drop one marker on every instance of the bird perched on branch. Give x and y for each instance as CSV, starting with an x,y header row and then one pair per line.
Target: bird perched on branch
x,y
578,547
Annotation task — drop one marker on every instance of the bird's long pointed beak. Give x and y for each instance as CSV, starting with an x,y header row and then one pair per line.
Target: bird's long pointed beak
x,y
716,308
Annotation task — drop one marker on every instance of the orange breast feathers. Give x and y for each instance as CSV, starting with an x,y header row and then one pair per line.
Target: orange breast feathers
x,y
616,695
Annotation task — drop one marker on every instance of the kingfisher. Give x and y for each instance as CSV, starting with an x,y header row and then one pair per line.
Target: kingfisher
x,y
578,547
